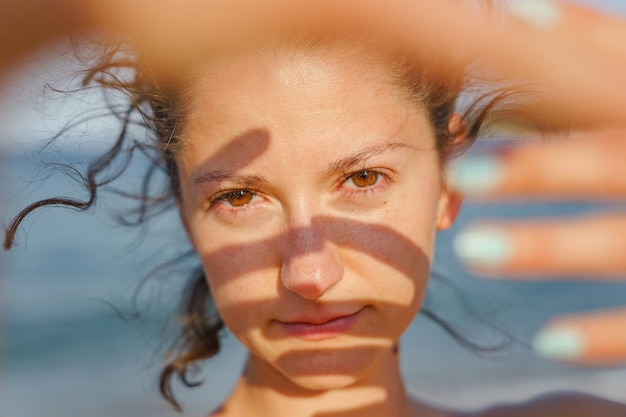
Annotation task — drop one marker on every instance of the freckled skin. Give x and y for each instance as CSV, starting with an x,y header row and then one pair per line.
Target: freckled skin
x,y
307,240
312,189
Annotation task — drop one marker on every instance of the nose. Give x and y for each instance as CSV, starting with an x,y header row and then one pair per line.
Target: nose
x,y
310,264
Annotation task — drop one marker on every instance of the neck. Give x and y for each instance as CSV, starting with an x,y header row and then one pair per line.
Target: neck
x,y
379,393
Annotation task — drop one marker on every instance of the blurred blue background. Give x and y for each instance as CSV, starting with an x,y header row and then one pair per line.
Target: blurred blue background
x,y
66,352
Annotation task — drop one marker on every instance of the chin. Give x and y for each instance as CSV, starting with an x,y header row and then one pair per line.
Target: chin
x,y
323,383
324,370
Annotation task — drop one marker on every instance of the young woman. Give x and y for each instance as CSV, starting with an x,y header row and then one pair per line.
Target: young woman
x,y
309,173
312,195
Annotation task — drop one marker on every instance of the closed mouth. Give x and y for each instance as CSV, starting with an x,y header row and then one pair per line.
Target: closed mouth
x,y
320,329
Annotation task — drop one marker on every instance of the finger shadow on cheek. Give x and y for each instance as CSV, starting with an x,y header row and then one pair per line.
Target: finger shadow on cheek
x,y
381,243
394,270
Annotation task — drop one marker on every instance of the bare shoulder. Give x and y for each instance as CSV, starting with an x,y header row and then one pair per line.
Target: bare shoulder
x,y
557,405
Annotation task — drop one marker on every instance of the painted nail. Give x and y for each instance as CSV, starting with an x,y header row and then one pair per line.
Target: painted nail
x,y
559,343
538,14
475,175
483,247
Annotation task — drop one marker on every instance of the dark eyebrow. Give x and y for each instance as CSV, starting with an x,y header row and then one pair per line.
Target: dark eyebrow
x,y
342,165
346,164
244,180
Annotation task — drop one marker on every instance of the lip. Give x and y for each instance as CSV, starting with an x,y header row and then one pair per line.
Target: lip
x,y
320,329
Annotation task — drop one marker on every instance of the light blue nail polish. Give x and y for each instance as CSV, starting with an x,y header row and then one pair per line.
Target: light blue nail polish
x,y
539,14
483,247
476,175
559,343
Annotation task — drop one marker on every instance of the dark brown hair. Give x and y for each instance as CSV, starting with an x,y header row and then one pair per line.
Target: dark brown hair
x,y
159,109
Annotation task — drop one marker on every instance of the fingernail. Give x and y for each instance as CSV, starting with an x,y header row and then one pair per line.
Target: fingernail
x,y
475,175
483,247
559,343
539,14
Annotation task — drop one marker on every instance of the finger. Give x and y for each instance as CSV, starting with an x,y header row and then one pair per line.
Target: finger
x,y
576,57
26,24
168,35
587,165
596,338
579,247
562,56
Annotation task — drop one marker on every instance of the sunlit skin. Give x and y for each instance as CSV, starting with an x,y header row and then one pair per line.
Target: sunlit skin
x,y
312,191
569,56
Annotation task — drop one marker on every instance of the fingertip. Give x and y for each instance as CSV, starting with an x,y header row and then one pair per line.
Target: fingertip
x,y
560,343
483,247
476,175
538,14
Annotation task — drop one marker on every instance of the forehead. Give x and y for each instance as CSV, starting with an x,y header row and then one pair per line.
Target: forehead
x,y
290,92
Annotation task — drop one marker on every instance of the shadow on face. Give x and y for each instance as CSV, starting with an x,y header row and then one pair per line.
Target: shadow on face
x,y
312,194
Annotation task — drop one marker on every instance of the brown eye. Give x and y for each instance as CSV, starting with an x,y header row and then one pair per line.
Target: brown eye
x,y
364,178
239,198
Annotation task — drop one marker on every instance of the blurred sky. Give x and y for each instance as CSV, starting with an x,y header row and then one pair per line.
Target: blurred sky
x,y
28,115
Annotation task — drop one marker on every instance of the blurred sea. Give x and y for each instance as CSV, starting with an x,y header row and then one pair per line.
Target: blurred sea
x,y
66,352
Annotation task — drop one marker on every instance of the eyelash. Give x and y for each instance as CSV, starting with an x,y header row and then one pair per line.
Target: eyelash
x,y
367,188
225,195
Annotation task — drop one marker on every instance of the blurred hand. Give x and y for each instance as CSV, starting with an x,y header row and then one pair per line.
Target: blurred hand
x,y
578,57
560,48
585,166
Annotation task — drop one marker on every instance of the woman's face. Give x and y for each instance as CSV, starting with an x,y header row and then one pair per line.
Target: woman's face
x,y
312,191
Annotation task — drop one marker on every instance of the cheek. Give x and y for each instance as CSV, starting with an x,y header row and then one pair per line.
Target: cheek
x,y
229,255
238,275
406,249
388,256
